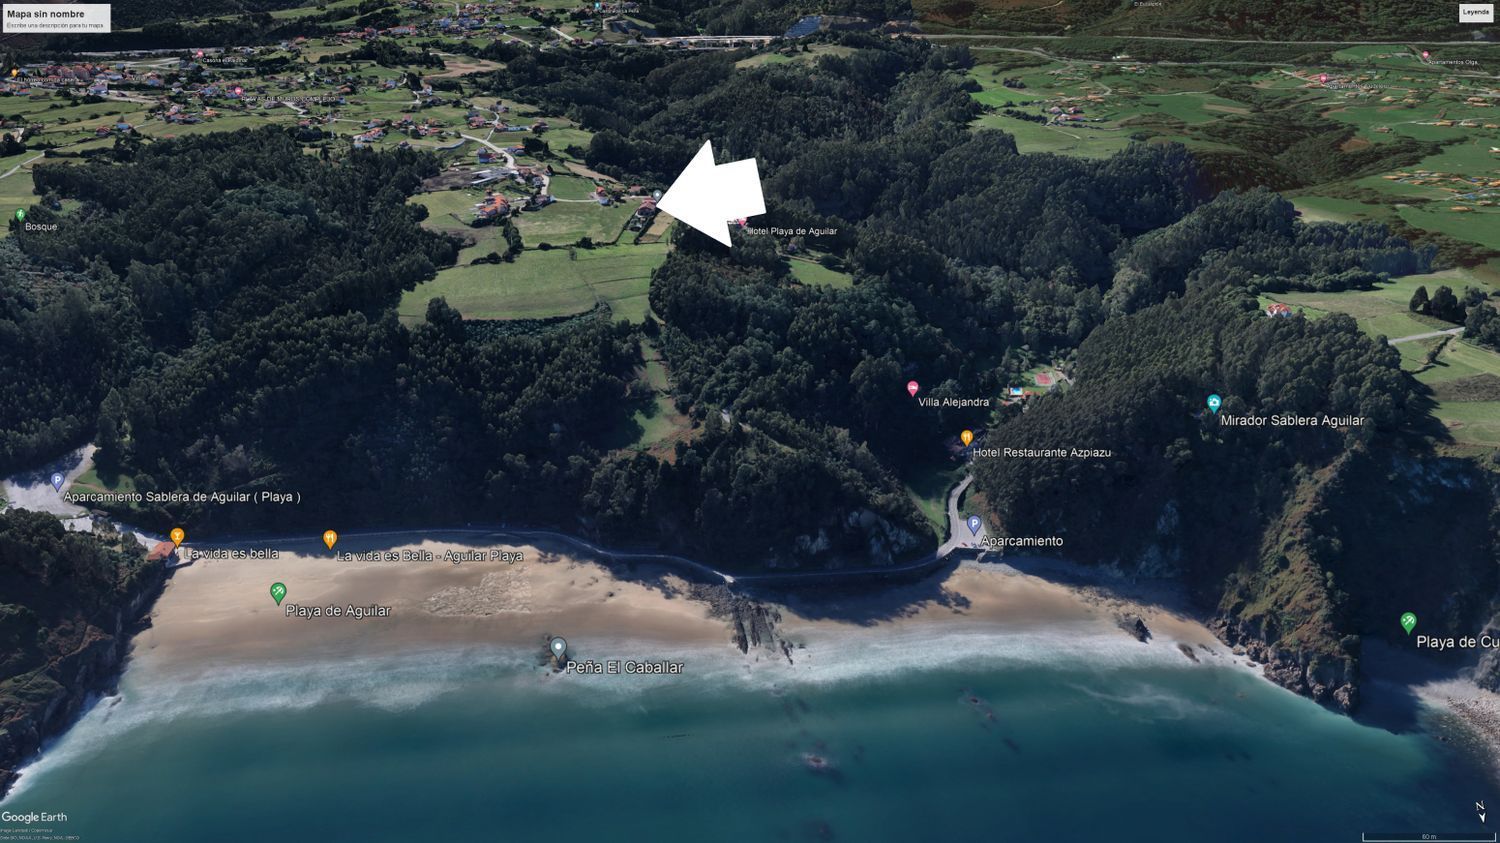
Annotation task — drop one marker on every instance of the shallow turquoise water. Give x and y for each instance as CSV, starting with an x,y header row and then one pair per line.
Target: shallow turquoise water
x,y
484,746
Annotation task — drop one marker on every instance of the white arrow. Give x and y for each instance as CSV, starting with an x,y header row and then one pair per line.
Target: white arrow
x,y
706,196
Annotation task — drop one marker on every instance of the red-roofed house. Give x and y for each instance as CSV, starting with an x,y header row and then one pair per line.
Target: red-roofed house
x,y
164,552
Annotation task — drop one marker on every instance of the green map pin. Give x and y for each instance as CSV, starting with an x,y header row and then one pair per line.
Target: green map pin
x,y
278,591
1408,622
20,215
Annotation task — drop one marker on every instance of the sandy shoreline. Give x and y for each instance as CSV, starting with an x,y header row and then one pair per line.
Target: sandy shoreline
x,y
219,612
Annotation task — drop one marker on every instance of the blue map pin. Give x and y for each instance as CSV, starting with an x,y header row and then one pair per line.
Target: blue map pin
x,y
974,524
57,480
1214,402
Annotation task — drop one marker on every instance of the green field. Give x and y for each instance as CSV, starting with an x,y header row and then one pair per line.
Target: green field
x,y
1388,94
544,284
1032,137
806,54
447,209
814,273
450,211
1384,312
928,488
1414,353
660,418
562,223
762,59
1472,422
90,481
16,188
1192,106
571,187
1096,141
1379,312
1478,227
560,139
655,425
1461,360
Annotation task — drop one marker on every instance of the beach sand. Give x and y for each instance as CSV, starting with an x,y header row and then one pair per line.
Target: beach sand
x,y
219,612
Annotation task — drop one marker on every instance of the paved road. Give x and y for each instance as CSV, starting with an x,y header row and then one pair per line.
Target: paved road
x,y
510,160
503,533
33,490
958,523
1451,332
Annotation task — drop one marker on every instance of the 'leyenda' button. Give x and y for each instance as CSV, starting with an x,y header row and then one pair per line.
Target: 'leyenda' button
x,y
1476,13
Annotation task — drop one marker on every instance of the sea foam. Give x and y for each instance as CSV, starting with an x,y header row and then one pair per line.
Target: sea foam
x,y
151,694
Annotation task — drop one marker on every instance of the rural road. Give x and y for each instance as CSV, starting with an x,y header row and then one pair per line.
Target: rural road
x,y
1451,332
510,160
33,490
12,170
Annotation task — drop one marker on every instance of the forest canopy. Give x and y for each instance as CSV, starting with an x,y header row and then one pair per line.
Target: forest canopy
x,y
255,345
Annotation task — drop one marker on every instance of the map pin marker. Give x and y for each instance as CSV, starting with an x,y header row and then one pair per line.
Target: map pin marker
x,y
975,523
1408,622
559,648
278,592
1215,402
912,387
57,480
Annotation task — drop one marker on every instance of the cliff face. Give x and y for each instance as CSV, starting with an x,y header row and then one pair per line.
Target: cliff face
x,y
1355,545
1328,675
72,601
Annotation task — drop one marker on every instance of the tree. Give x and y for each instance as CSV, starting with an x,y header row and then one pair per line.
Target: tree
x,y
1483,326
1445,306
1419,301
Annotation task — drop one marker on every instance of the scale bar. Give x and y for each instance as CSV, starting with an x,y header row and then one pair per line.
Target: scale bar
x,y
1427,837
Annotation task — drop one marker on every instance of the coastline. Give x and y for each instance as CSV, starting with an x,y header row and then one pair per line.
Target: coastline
x,y
219,611
215,624
216,616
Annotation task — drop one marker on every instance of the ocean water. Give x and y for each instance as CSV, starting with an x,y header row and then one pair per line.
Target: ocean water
x,y
958,736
